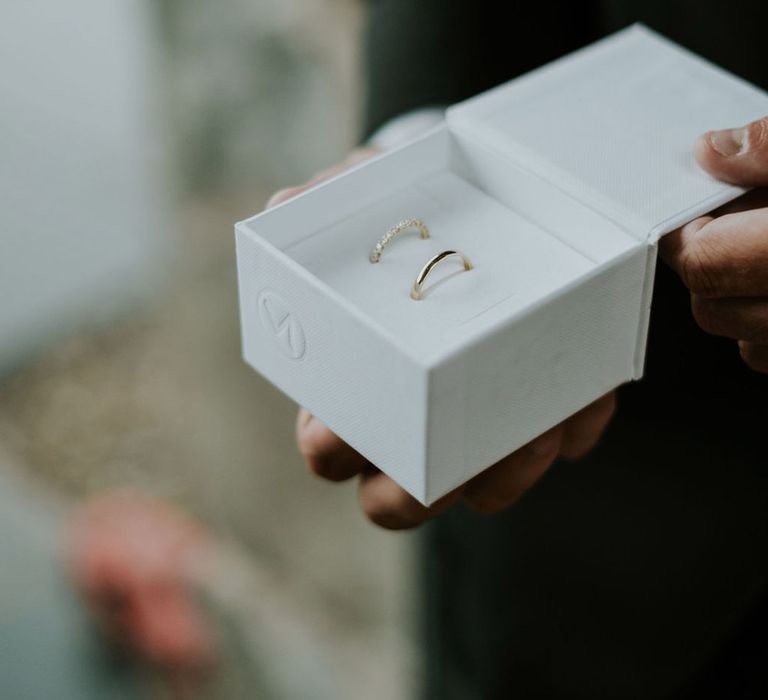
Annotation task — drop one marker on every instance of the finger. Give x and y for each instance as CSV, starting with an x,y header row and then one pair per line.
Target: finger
x,y
740,319
505,482
285,194
360,155
290,192
724,257
754,199
388,505
755,355
357,156
739,155
674,246
325,453
583,431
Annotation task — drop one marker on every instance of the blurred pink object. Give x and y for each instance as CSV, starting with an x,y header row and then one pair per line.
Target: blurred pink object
x,y
135,561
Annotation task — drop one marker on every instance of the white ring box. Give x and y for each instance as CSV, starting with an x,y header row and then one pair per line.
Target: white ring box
x,y
557,185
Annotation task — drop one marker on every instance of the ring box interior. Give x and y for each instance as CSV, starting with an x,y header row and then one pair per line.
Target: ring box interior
x,y
557,186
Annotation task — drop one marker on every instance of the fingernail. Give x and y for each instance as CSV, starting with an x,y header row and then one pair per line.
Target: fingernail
x,y
728,142
546,444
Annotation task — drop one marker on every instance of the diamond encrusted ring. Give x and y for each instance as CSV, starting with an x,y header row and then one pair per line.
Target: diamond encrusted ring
x,y
416,290
404,225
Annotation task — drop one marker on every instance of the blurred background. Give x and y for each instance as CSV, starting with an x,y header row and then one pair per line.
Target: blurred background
x,y
134,133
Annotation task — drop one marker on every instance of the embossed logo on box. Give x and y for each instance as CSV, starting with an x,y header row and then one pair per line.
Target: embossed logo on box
x,y
282,324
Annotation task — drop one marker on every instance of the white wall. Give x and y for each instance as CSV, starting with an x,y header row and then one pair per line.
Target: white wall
x,y
83,181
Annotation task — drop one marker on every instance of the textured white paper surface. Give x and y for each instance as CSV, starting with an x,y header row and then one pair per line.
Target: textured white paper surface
x,y
615,123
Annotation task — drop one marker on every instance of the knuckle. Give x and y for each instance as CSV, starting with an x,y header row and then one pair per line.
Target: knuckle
x,y
698,268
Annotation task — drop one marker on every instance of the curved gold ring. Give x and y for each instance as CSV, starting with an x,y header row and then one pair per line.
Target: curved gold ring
x,y
404,225
416,290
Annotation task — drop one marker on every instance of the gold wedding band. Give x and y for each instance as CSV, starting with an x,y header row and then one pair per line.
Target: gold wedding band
x,y
416,290
404,225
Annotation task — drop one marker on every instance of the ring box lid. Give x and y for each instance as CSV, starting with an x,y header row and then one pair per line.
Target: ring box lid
x,y
614,124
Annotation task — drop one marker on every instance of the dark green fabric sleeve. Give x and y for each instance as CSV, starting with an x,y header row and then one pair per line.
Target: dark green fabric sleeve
x,y
435,52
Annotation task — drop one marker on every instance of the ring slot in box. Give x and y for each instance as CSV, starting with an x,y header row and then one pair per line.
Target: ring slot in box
x,y
556,186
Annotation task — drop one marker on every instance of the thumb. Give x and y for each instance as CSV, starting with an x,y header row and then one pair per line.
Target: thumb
x,y
739,156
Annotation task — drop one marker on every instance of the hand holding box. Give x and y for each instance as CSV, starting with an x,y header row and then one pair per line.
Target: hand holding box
x,y
557,186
